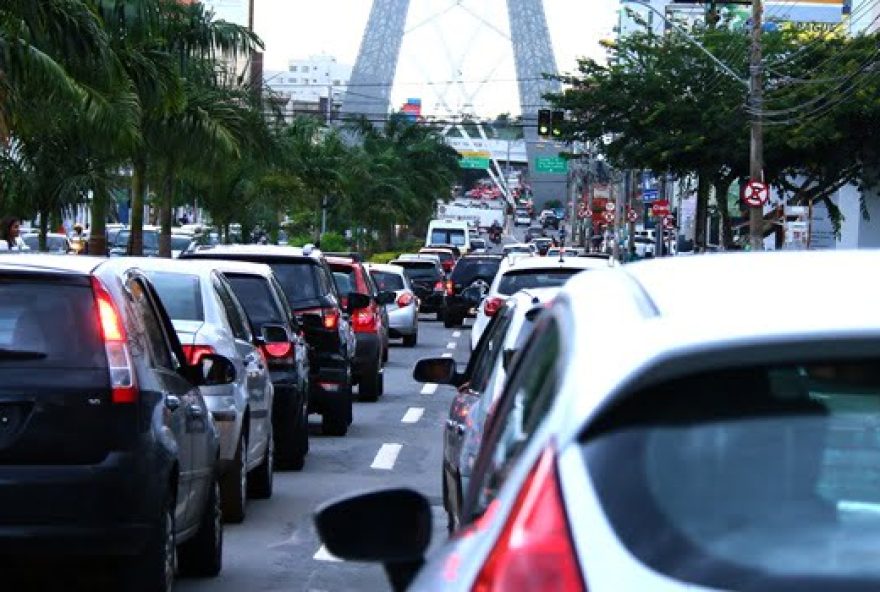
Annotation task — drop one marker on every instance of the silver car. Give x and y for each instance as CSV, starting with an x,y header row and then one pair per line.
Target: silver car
x,y
208,318
403,313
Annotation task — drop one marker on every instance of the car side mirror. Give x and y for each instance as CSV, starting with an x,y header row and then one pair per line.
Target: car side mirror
x,y
356,300
212,370
386,297
439,371
272,333
391,526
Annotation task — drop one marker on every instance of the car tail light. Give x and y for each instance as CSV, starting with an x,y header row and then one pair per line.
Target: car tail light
x,y
365,320
534,550
493,305
450,288
439,287
122,384
274,351
404,300
194,353
329,316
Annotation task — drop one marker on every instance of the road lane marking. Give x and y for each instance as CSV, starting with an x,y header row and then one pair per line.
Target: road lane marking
x,y
450,345
429,389
324,555
446,355
456,334
386,457
413,415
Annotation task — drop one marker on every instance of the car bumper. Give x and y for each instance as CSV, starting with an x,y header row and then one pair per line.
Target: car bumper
x,y
330,383
433,302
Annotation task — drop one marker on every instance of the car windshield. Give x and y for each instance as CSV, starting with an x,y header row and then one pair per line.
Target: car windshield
x,y
451,236
514,281
180,293
387,281
151,239
760,472
47,326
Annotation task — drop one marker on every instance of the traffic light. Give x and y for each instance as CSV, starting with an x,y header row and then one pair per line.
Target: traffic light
x,y
545,122
556,120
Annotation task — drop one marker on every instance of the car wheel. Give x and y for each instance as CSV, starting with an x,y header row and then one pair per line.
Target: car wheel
x,y
202,555
153,570
233,487
451,321
371,387
261,480
410,340
292,428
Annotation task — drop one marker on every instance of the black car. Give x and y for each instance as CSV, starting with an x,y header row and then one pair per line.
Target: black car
x,y
551,222
317,306
473,272
534,232
428,282
107,447
266,306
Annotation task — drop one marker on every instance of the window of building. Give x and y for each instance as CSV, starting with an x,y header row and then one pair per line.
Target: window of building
x,y
294,68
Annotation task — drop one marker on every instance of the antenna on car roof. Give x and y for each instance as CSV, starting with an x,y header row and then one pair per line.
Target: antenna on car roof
x,y
561,254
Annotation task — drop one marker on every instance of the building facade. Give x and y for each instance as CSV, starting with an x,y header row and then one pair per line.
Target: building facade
x,y
308,84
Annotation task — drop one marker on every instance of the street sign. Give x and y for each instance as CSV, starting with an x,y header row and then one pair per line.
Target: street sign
x,y
609,217
755,194
632,216
474,162
650,194
660,208
669,222
609,206
554,165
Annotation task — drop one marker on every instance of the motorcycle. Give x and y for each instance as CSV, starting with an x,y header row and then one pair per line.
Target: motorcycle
x,y
495,236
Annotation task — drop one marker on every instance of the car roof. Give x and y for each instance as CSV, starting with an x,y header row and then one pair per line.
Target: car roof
x,y
418,257
341,261
387,267
242,267
521,263
270,251
482,256
200,267
82,265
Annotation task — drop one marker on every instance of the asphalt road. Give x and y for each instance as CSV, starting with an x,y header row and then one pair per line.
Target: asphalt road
x,y
396,441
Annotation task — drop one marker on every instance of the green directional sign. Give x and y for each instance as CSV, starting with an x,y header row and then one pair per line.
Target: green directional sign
x,y
470,162
551,164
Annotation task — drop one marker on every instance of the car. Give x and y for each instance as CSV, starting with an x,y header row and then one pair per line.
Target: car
x,y
542,245
521,248
524,273
403,312
55,243
567,252
181,243
521,217
107,448
446,256
471,278
479,388
456,252
353,255
428,282
287,360
559,213
311,292
736,441
644,246
208,318
119,246
370,324
550,221
479,245
449,232
534,232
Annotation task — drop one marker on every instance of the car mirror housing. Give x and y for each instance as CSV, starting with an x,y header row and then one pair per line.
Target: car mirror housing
x,y
386,297
391,526
356,300
273,333
212,370
438,370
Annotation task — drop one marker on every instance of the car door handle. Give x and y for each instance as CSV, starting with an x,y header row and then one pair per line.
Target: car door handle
x,y
172,402
195,411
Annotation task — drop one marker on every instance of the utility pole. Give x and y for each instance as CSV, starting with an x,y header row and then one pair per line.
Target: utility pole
x,y
756,102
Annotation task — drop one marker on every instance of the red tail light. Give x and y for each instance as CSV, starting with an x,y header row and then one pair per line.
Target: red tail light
x,y
439,287
329,317
278,350
122,384
404,300
450,288
365,320
493,305
194,353
534,551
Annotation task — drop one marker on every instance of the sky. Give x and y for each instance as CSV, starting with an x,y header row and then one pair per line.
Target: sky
x,y
464,44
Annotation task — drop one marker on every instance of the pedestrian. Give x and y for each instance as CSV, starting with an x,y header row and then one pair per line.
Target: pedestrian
x,y
10,234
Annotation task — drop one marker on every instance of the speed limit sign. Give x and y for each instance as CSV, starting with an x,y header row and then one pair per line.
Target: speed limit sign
x,y
609,217
755,193
632,216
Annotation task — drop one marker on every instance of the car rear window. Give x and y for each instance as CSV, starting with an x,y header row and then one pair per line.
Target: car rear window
x,y
514,281
48,325
255,296
418,269
345,282
442,255
181,294
467,270
386,281
299,282
766,475
449,236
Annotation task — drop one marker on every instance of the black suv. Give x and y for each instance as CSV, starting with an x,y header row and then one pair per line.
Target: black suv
x,y
471,272
308,284
106,444
428,282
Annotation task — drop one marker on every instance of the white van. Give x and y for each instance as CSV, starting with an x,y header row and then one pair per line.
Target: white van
x,y
449,232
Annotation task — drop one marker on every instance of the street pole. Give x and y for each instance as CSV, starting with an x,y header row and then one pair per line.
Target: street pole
x,y
756,101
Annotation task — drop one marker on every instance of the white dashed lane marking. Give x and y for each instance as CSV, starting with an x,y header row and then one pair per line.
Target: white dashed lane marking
x,y
450,345
456,334
386,457
429,388
446,355
413,415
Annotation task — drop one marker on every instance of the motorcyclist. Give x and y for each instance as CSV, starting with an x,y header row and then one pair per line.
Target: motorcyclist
x,y
495,231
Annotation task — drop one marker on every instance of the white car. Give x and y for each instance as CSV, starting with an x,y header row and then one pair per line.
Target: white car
x,y
645,442
529,272
209,318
